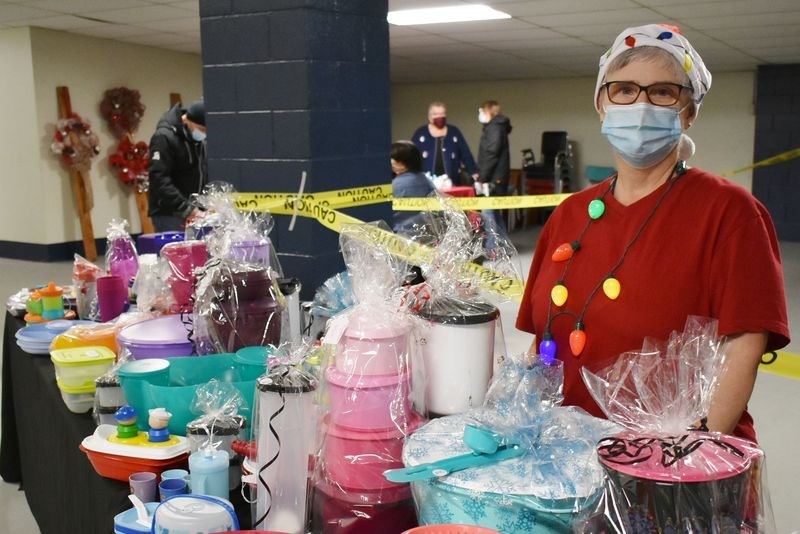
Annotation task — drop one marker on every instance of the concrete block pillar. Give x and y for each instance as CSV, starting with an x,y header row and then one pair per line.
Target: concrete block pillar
x,y
292,86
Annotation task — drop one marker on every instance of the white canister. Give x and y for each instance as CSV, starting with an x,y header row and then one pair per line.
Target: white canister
x,y
457,346
194,514
286,429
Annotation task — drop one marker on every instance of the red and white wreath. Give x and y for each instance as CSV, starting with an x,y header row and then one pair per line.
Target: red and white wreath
x,y
75,142
130,162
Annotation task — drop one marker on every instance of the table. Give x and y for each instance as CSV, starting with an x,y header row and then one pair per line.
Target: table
x,y
39,449
459,191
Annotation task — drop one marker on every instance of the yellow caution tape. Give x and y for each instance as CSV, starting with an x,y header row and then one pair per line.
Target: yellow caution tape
x,y
780,158
397,245
784,364
338,198
479,203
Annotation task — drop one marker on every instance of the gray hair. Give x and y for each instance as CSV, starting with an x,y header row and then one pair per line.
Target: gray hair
x,y
649,53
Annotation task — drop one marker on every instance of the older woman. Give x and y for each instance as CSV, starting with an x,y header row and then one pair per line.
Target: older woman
x,y
633,256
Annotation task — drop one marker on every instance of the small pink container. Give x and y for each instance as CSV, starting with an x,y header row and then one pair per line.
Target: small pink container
x,y
356,460
370,346
369,402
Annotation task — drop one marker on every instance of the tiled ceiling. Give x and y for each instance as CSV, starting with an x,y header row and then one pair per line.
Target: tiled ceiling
x,y
544,38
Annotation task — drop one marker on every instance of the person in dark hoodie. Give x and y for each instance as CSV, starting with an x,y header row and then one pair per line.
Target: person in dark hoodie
x,y
494,162
178,166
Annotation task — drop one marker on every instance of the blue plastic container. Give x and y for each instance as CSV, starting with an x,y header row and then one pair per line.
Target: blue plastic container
x,y
171,384
152,243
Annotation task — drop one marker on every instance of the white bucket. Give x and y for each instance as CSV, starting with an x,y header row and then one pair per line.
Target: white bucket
x,y
458,355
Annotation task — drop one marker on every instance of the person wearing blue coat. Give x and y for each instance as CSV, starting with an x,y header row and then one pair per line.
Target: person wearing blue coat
x,y
406,162
443,147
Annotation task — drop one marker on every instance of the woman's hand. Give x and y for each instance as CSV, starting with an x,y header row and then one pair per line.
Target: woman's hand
x,y
743,354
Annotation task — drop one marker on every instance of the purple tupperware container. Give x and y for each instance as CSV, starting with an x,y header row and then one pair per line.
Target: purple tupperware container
x,y
152,243
160,337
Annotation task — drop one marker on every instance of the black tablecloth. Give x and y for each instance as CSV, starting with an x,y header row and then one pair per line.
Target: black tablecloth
x,y
39,449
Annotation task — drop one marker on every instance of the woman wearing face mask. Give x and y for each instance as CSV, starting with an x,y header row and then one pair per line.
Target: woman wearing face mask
x,y
633,256
443,147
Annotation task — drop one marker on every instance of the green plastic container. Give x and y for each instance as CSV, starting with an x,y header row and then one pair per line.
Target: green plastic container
x,y
171,384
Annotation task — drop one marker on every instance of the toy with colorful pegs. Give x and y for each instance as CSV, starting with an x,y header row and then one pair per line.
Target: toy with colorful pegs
x,y
47,304
126,422
158,421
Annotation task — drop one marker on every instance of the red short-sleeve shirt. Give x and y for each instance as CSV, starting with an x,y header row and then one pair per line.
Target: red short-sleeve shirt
x,y
709,250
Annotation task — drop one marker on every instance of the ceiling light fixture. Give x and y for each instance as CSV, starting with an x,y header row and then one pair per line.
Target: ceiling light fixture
x,y
440,15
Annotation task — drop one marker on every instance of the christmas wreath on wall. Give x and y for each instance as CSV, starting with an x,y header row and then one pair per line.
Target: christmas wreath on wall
x,y
130,162
122,108
75,142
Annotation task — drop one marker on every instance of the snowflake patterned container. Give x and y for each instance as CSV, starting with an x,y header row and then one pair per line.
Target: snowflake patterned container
x,y
697,482
517,496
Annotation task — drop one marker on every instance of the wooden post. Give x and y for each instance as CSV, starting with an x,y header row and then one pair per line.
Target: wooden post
x,y
141,201
77,181
174,98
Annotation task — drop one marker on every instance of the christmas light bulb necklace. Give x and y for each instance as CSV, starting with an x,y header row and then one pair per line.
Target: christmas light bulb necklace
x,y
610,285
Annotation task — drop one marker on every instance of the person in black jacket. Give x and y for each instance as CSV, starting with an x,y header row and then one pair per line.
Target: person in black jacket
x,y
178,166
494,163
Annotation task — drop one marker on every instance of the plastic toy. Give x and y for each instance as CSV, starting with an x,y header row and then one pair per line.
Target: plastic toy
x,y
158,421
47,304
126,422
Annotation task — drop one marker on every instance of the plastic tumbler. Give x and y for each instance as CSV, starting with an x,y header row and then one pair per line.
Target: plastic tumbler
x,y
112,297
122,259
171,487
143,485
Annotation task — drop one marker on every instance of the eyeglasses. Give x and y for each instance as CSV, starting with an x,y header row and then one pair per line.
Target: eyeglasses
x,y
659,94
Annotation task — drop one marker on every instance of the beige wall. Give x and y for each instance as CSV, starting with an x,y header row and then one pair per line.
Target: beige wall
x,y
20,179
723,133
88,66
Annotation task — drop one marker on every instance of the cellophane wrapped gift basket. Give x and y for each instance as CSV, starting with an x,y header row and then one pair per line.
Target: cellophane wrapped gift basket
x,y
368,378
520,463
660,475
457,325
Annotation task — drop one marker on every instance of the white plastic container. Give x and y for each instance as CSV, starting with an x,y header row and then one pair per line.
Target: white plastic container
x,y
78,399
458,353
285,409
80,366
195,514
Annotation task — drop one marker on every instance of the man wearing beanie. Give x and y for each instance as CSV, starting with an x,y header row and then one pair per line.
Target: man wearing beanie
x,y
178,166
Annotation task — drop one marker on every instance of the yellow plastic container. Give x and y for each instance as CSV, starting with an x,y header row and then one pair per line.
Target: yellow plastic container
x,y
78,367
87,335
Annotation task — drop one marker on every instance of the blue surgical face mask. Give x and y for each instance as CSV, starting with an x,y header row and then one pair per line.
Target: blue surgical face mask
x,y
643,134
198,136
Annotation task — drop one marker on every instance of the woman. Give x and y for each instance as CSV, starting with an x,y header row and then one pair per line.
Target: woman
x,y
443,147
406,164
676,241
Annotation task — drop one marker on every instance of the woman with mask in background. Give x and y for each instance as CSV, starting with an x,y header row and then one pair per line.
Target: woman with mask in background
x,y
633,256
444,149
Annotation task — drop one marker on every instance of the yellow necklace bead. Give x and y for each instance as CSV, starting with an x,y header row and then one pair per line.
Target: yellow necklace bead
x,y
559,294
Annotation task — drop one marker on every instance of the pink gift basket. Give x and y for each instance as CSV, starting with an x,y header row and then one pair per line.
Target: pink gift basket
x,y
368,378
666,472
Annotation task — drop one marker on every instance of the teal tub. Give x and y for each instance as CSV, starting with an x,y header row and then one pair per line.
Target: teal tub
x,y
171,383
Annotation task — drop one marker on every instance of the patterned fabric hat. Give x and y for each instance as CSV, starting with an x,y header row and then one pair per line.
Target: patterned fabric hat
x,y
667,38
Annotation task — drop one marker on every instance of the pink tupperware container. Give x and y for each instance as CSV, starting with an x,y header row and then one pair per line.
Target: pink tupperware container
x,y
369,402
371,346
183,258
357,459
339,512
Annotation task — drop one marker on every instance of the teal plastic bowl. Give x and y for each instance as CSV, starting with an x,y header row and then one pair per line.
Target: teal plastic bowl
x,y
172,383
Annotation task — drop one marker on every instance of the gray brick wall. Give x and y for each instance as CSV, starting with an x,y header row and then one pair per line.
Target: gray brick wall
x,y
778,130
294,85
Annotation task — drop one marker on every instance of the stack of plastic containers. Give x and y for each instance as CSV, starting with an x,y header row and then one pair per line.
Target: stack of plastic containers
x,y
370,415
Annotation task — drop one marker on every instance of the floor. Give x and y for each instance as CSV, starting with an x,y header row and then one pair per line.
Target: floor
x,y
774,402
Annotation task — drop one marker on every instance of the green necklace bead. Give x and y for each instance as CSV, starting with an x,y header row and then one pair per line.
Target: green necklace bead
x,y
596,208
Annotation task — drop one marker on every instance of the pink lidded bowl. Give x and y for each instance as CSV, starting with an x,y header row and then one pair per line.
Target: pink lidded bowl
x,y
371,346
369,402
357,459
